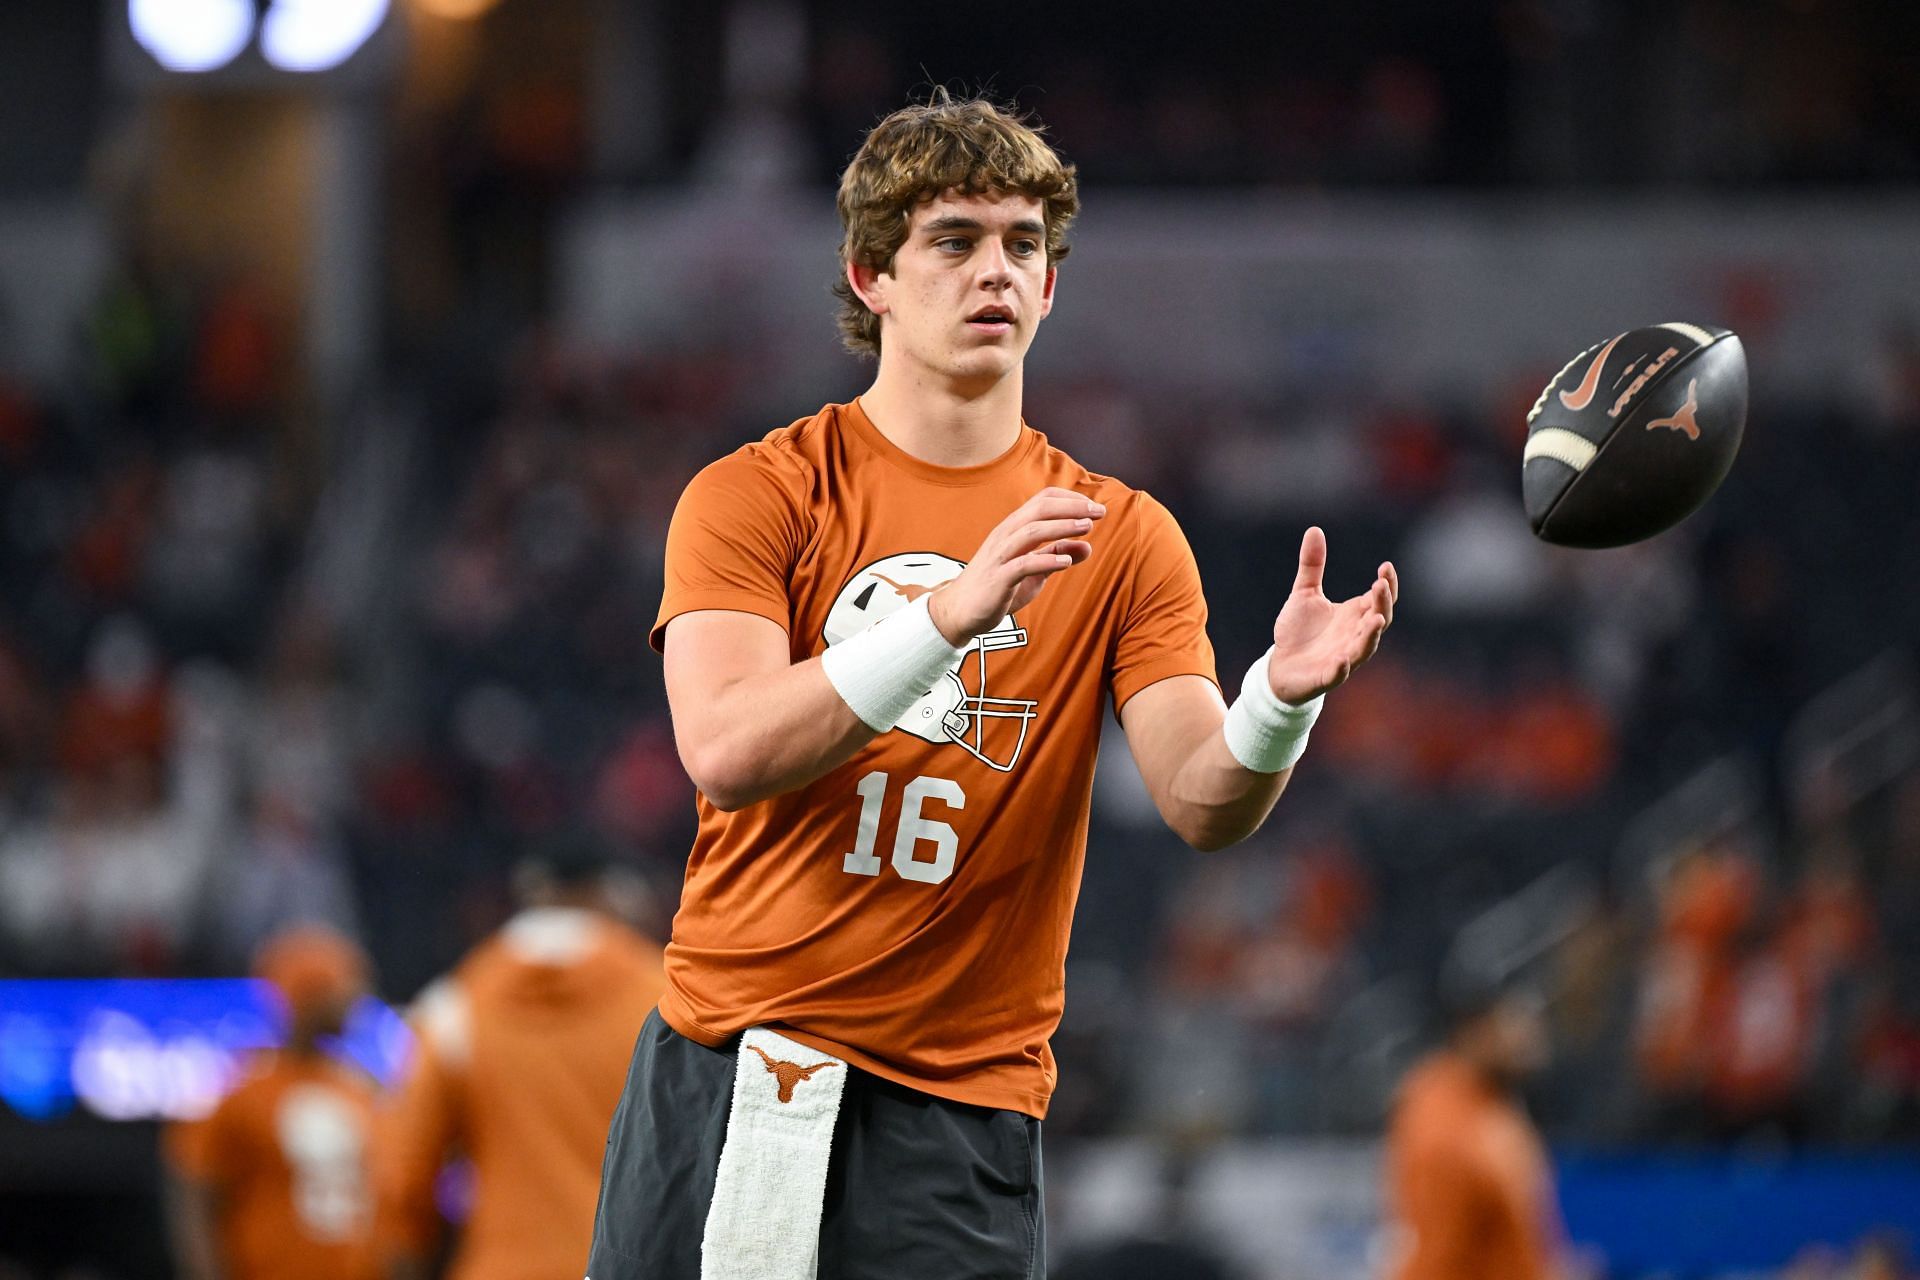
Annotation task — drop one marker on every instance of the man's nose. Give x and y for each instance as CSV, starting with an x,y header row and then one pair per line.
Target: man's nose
x,y
996,269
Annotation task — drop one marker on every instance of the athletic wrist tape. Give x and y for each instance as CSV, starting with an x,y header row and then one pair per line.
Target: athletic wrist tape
x,y
881,672
1265,734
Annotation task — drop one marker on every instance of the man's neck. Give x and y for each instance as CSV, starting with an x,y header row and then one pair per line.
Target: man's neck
x,y
939,423
1485,1070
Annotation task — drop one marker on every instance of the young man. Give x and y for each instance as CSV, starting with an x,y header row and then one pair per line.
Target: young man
x,y
890,634
518,1058
274,1183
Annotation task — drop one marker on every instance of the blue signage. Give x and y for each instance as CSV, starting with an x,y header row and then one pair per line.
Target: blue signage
x,y
155,1048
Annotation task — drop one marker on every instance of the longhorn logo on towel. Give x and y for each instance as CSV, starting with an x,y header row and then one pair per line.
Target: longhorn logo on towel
x,y
789,1074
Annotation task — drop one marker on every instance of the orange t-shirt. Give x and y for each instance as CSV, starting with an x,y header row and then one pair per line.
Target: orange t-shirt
x,y
1468,1182
909,910
287,1154
519,1057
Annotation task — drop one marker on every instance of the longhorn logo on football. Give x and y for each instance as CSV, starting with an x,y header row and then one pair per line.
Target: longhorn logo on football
x,y
1682,419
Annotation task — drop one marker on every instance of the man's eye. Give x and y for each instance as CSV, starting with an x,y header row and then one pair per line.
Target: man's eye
x,y
1026,248
952,244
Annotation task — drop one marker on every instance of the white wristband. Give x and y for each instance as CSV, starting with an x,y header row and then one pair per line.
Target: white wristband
x,y
881,672
1265,734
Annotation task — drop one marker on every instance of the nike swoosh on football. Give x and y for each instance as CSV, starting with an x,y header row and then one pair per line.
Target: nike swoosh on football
x,y
1583,394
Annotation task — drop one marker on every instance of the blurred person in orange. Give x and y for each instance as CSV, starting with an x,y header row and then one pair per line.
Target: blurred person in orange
x,y
519,1060
1469,1186
273,1184
1706,900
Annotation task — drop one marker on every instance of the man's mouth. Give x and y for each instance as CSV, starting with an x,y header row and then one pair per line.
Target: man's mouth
x,y
991,320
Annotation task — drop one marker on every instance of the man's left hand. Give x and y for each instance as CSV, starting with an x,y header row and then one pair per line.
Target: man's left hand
x,y
1317,643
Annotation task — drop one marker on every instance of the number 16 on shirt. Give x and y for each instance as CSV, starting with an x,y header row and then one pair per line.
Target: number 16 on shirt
x,y
913,830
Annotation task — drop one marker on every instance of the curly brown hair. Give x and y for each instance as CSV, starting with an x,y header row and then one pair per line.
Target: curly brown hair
x,y
918,152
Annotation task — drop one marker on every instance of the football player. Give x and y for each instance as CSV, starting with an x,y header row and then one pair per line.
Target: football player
x,y
275,1181
519,1055
890,632
1468,1184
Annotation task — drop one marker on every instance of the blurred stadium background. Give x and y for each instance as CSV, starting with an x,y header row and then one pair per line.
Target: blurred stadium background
x,y
353,354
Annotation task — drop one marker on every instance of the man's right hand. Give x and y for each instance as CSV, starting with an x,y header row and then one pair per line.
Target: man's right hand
x,y
1045,534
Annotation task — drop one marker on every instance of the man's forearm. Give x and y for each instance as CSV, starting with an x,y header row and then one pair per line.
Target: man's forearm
x,y
1214,800
749,728
1211,789
768,734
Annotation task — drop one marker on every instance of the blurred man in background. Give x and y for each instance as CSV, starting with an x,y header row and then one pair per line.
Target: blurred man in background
x,y
274,1184
519,1061
1468,1183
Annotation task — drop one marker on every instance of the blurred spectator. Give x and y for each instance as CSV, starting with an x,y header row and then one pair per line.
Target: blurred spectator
x,y
1760,1045
275,1183
119,717
1474,556
285,867
205,552
237,365
110,875
1704,901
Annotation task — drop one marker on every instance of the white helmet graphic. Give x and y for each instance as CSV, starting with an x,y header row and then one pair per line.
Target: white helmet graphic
x,y
950,712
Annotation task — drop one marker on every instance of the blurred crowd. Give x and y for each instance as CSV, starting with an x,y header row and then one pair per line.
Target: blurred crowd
x,y
171,759
1393,93
201,740
1381,94
194,751
1386,93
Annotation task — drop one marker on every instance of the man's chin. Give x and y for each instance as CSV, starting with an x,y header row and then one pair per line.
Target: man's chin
x,y
986,366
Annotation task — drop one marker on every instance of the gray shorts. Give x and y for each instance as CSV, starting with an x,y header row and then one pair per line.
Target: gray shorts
x,y
916,1185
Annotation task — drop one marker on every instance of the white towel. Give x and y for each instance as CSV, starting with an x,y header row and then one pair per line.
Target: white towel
x,y
767,1194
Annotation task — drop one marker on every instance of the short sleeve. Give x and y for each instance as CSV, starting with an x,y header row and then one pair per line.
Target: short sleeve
x,y
736,535
1164,631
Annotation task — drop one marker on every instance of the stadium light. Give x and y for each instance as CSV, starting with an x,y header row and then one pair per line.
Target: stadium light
x,y
191,35
318,35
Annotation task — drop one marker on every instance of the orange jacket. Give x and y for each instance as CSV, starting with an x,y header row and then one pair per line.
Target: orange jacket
x,y
1468,1183
520,1057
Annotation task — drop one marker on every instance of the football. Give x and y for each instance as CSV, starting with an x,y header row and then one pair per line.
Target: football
x,y
1634,434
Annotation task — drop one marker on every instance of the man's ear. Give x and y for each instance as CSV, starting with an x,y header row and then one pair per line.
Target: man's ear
x,y
1046,292
869,285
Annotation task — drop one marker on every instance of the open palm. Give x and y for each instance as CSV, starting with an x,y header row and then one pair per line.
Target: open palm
x,y
1317,642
